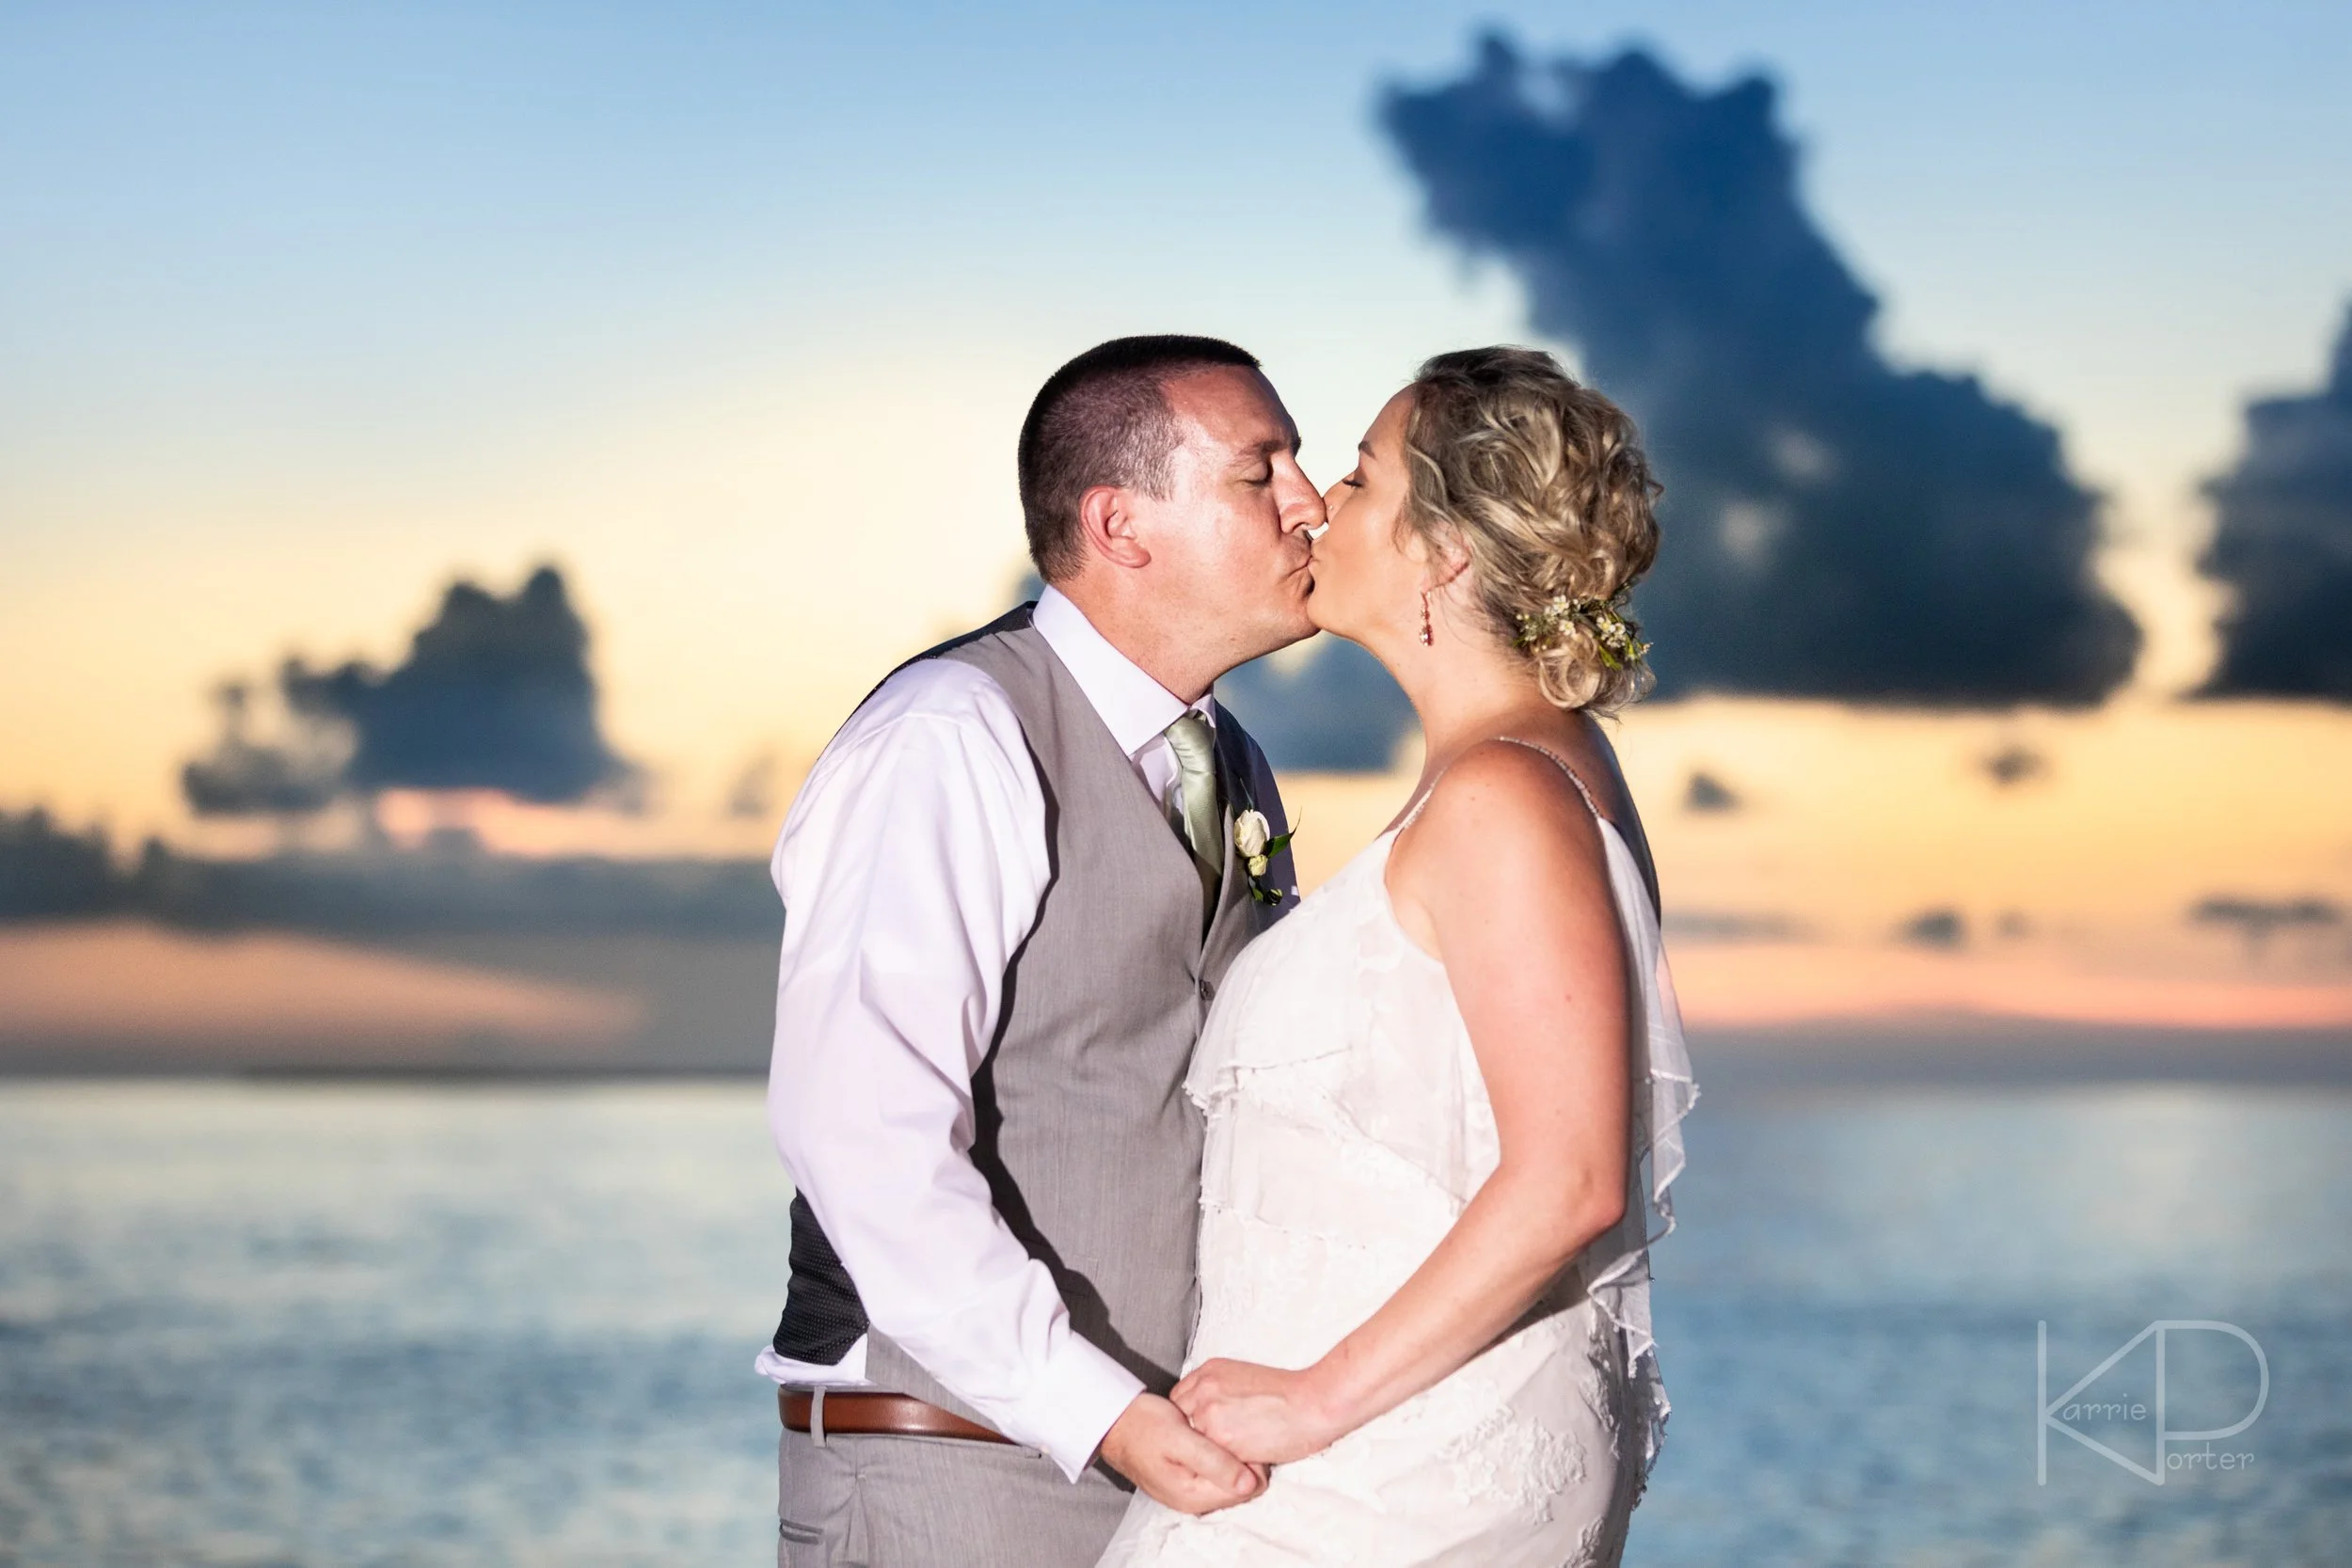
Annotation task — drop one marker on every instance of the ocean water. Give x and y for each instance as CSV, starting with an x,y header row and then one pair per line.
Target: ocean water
x,y
326,1326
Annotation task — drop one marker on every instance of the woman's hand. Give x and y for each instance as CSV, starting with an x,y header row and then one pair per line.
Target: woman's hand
x,y
1260,1414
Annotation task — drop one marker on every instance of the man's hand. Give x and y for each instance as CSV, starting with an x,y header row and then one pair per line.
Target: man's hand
x,y
1153,1446
1263,1413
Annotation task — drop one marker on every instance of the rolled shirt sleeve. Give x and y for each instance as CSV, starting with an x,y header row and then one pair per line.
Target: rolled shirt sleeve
x,y
911,868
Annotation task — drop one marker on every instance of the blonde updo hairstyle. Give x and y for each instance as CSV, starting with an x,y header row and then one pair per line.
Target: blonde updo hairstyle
x,y
1542,483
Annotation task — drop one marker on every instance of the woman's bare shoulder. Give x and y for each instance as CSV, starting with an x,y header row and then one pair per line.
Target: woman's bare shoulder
x,y
1501,799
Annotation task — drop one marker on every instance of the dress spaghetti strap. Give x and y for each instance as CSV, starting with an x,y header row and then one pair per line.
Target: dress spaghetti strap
x,y
1561,762
1558,761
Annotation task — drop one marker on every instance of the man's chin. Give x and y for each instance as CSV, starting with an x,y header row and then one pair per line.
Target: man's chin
x,y
1276,635
1288,617
1296,628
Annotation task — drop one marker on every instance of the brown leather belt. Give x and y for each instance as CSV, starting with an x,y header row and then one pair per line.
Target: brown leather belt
x,y
857,1413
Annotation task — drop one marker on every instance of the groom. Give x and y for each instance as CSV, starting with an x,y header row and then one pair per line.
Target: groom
x,y
1011,891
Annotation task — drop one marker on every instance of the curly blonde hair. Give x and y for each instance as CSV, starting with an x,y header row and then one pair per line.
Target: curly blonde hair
x,y
1542,480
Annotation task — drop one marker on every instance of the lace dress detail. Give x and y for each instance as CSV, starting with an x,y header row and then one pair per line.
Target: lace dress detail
x,y
1348,1126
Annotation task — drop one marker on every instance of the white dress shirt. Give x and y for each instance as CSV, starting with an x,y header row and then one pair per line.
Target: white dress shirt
x,y
912,865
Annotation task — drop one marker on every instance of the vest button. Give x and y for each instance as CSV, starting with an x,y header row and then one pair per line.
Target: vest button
x,y
1208,989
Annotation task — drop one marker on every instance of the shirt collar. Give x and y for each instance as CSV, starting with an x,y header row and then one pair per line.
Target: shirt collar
x,y
1131,705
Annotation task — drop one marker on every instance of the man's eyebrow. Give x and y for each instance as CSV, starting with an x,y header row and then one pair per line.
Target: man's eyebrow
x,y
1364,449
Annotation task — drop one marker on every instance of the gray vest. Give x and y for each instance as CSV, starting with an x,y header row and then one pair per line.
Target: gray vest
x,y
1083,1132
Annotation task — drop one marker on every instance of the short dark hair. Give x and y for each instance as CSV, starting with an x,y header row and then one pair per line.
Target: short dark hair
x,y
1103,419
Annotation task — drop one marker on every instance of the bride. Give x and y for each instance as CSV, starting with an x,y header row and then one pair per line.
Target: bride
x,y
1442,1096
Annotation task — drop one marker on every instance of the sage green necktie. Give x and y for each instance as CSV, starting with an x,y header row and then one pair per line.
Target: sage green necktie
x,y
1204,817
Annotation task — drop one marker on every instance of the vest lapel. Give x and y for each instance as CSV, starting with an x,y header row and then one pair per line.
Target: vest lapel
x,y
1233,783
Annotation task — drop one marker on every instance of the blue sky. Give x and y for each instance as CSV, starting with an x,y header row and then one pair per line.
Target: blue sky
x,y
302,307
377,225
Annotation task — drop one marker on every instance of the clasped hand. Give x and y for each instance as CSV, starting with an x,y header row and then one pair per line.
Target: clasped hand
x,y
1153,1445
1261,1415
1208,1445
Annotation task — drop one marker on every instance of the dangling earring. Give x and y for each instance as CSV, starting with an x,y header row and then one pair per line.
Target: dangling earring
x,y
1425,638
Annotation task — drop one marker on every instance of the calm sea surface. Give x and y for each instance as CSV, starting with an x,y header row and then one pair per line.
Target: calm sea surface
x,y
332,1326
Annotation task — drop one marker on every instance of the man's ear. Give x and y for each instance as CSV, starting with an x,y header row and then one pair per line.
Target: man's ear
x,y
1106,523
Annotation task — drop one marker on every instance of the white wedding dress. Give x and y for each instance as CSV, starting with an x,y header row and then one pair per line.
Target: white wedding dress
x,y
1348,1126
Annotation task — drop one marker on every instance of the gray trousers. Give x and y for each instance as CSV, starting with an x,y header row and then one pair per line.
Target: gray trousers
x,y
936,1503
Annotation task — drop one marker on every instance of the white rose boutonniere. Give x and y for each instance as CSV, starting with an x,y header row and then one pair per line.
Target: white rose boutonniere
x,y
1255,842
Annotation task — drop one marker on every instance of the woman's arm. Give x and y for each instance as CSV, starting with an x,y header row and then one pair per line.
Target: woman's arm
x,y
1504,879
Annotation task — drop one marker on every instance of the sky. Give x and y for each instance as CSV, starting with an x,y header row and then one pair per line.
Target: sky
x,y
731,312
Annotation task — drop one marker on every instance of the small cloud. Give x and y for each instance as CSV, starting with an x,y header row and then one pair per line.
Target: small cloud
x,y
2283,544
2014,765
1708,792
1733,926
632,791
2258,919
1945,929
495,694
295,776
2013,927
753,796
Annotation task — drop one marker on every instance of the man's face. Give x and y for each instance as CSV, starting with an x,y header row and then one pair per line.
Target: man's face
x,y
1229,547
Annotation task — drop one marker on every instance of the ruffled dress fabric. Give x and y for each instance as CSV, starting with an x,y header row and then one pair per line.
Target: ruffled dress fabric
x,y
1348,1127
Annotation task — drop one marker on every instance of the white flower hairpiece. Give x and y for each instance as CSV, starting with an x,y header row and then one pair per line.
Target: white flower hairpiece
x,y
1620,649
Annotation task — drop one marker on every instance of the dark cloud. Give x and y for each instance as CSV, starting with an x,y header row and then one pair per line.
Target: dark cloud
x,y
244,777
47,872
495,694
1946,929
1708,792
2014,765
2282,542
1733,926
1336,712
1836,526
452,887
2259,919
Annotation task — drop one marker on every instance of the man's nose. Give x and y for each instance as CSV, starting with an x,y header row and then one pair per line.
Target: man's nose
x,y
1302,508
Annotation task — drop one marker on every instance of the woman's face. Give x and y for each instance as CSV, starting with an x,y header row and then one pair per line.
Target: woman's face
x,y
1368,572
